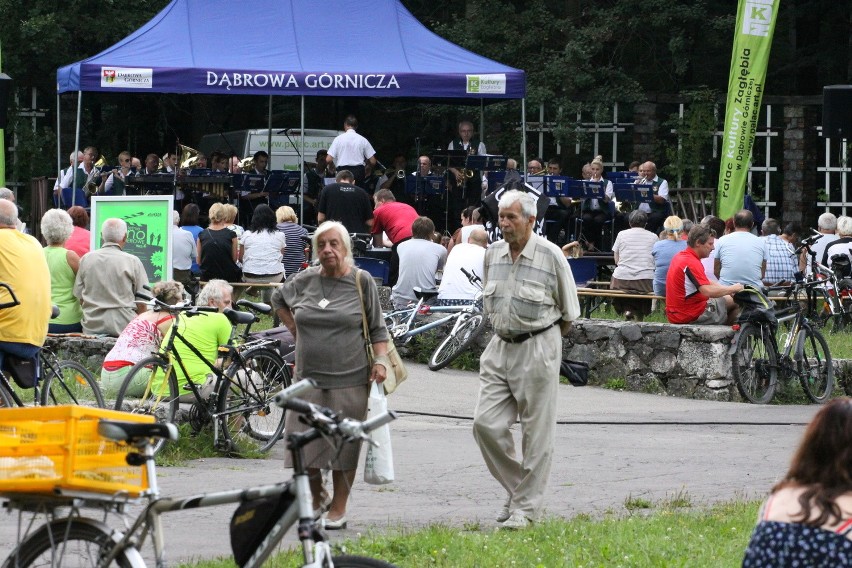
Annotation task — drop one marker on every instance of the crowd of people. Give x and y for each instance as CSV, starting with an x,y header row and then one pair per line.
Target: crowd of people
x,y
510,238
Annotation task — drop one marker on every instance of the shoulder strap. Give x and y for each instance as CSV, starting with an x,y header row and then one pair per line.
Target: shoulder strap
x,y
364,326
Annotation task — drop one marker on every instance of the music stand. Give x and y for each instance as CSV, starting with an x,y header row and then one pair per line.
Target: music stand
x,y
280,185
585,189
424,185
248,182
634,192
486,162
557,186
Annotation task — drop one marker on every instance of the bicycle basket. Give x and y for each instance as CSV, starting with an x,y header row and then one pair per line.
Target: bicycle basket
x,y
841,265
253,520
23,371
45,448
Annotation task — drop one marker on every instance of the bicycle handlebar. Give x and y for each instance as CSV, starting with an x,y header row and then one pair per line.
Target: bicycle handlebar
x,y
325,418
14,302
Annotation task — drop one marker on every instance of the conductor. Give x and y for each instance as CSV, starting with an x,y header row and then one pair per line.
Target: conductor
x,y
350,150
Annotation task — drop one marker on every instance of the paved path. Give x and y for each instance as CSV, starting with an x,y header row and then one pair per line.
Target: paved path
x,y
610,445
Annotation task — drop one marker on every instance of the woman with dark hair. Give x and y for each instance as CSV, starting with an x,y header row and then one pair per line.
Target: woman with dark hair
x,y
189,222
80,239
262,250
466,221
807,519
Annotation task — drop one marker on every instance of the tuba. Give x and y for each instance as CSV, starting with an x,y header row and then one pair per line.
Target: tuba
x,y
247,164
188,157
91,187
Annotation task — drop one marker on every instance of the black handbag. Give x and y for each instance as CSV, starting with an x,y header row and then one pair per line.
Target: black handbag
x,y
577,372
23,371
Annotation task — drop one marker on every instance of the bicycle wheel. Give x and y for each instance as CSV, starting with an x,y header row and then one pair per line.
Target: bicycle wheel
x,y
814,366
150,388
71,543
68,382
348,561
755,365
250,419
456,342
5,399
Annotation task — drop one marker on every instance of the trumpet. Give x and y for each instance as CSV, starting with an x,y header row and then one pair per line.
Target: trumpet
x,y
188,157
400,174
539,173
247,164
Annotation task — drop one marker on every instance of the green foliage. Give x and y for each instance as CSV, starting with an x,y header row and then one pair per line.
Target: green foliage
x,y
631,503
692,150
711,537
615,383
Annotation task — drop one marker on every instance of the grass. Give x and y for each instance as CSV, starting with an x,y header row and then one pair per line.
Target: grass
x,y
661,535
190,446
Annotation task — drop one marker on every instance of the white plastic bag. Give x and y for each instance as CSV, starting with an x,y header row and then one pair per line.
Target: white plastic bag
x,y
378,467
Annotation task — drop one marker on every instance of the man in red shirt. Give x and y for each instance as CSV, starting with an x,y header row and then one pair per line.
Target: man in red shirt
x,y
395,220
690,296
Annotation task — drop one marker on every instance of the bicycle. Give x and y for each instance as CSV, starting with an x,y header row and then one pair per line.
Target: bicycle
x,y
240,401
52,380
468,322
757,362
72,538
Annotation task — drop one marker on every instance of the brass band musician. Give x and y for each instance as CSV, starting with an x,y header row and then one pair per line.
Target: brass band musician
x,y
115,181
471,187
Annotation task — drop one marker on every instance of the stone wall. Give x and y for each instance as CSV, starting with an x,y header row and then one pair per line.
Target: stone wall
x,y
688,361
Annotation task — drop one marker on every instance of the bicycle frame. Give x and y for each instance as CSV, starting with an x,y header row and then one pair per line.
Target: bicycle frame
x,y
410,314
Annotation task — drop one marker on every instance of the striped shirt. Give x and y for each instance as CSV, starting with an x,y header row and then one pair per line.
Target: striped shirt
x,y
632,248
531,293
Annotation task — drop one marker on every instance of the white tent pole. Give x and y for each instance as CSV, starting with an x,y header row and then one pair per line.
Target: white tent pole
x,y
302,164
76,149
524,136
58,141
269,134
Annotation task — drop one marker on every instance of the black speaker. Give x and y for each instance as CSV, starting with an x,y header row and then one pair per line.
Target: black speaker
x,y
837,111
5,90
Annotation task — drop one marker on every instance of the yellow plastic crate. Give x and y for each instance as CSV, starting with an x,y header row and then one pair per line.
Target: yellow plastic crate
x,y
44,448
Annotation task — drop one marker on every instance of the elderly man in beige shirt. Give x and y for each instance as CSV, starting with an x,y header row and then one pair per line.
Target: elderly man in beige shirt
x,y
107,282
531,299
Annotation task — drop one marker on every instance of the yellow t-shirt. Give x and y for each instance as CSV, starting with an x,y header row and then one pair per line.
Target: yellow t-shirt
x,y
24,268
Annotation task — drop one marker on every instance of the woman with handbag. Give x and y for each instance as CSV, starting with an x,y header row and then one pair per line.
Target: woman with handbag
x,y
218,249
322,308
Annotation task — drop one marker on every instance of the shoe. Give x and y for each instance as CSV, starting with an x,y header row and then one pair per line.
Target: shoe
x,y
334,525
516,521
504,513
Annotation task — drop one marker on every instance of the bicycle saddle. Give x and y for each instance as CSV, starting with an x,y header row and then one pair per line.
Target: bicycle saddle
x,y
425,294
236,317
256,306
133,432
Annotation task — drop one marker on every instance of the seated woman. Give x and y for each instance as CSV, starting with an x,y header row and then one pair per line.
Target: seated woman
x,y
294,254
56,228
140,338
262,250
665,249
634,271
218,247
596,212
807,519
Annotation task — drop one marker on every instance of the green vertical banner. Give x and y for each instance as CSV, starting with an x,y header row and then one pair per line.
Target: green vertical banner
x,y
749,59
149,221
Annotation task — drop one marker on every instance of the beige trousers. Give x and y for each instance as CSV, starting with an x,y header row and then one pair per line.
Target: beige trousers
x,y
518,382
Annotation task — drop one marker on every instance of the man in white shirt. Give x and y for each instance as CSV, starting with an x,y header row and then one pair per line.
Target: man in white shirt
x,y
183,252
455,288
827,225
350,150
470,189
420,259
659,209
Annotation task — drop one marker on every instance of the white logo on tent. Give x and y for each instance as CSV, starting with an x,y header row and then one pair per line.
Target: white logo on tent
x,y
127,78
495,83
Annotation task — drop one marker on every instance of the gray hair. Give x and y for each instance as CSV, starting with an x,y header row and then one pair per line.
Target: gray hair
x,y
6,193
637,219
175,217
514,196
213,292
844,226
8,213
344,236
770,227
113,230
827,222
56,226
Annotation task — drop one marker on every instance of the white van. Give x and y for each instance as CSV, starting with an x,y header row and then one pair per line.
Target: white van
x,y
282,152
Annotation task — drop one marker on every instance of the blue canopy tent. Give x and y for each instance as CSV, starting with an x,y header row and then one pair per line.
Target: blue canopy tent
x,y
291,47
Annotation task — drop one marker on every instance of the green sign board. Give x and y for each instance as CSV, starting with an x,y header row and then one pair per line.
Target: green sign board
x,y
149,221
